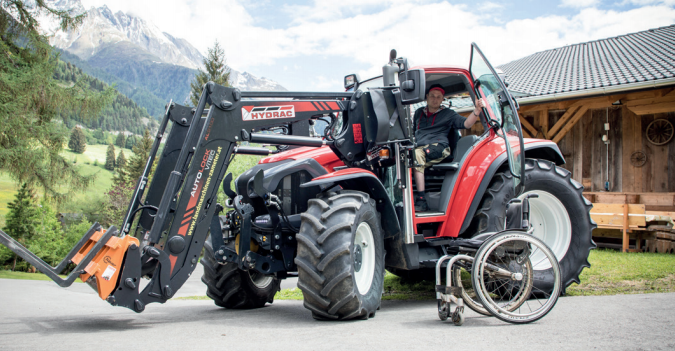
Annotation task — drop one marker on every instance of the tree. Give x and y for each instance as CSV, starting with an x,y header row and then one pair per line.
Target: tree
x,y
33,103
20,223
141,153
217,71
77,142
121,161
131,141
110,158
121,140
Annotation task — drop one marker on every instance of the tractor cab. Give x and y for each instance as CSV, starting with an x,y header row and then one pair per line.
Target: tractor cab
x,y
501,132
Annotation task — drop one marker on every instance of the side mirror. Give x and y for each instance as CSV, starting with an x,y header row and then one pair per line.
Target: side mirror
x,y
413,84
351,80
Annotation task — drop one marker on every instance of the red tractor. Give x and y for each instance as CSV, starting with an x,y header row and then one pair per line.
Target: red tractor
x,y
337,211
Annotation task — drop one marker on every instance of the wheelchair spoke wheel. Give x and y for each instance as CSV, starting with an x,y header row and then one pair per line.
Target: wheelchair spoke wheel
x,y
504,279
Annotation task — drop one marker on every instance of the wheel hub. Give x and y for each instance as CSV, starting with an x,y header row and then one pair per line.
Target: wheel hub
x,y
364,257
358,258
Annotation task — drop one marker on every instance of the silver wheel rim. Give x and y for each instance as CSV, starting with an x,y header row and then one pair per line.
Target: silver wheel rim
x,y
543,308
363,240
551,224
261,281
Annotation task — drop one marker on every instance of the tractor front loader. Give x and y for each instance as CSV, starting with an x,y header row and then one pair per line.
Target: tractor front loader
x,y
180,206
335,211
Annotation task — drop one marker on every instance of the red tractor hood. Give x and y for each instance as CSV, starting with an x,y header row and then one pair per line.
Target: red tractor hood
x,y
324,155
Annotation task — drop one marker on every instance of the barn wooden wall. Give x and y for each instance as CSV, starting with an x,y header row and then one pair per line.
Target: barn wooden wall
x,y
587,155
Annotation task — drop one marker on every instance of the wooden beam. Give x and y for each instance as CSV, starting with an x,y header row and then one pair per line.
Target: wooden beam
x,y
526,124
625,227
543,116
649,101
662,107
574,119
578,153
526,134
565,117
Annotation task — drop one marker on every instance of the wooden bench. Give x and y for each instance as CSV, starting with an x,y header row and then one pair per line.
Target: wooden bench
x,y
620,221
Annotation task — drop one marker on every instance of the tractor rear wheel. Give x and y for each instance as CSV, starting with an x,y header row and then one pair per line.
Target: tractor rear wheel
x,y
341,256
230,287
560,200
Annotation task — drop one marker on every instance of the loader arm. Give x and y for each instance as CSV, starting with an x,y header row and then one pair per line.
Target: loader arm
x,y
177,213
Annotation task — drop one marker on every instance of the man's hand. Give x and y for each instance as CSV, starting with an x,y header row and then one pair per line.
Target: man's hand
x,y
480,104
473,117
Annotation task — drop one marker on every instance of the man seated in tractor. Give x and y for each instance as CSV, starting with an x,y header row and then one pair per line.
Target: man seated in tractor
x,y
432,124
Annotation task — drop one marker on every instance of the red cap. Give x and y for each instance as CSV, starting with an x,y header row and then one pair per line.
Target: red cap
x,y
437,88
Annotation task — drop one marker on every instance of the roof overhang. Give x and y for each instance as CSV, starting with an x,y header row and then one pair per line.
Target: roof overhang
x,y
586,93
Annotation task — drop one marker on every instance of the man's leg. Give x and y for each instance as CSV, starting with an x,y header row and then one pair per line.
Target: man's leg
x,y
419,179
418,173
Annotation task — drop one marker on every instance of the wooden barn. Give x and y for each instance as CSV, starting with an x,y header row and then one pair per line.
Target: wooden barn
x,y
610,106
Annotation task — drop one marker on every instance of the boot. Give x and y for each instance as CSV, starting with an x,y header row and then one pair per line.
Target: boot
x,y
421,203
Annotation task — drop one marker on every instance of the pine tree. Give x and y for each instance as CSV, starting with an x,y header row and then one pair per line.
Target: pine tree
x,y
77,142
121,140
131,141
34,103
141,153
121,161
20,222
110,158
217,71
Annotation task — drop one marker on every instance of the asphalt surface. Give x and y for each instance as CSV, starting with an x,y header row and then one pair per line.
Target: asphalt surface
x,y
41,315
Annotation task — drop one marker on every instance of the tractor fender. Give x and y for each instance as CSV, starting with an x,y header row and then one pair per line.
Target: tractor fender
x,y
365,181
398,253
539,149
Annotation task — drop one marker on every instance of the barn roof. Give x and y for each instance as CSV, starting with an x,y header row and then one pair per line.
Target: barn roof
x,y
623,60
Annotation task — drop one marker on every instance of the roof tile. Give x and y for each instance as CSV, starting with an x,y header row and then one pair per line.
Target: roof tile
x,y
628,58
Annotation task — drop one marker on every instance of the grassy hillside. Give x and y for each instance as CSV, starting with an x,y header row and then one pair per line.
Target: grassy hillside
x,y
94,195
85,162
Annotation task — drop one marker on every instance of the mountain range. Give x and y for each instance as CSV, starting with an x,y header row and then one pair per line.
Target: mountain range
x,y
149,66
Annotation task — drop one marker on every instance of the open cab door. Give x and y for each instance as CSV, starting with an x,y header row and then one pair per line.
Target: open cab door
x,y
501,112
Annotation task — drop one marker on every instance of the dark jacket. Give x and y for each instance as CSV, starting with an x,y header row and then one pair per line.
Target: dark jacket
x,y
435,128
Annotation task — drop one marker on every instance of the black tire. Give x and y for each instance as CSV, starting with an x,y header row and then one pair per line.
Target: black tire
x,y
543,177
230,287
328,275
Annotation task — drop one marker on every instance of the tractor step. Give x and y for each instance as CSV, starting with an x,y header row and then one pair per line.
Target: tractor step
x,y
98,256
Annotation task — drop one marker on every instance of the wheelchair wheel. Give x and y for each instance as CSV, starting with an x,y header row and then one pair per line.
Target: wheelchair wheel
x,y
504,279
461,277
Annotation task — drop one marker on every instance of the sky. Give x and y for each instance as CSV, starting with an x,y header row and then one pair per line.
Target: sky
x,y
310,45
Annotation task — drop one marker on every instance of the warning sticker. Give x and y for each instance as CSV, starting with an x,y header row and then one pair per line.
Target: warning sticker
x,y
358,138
108,273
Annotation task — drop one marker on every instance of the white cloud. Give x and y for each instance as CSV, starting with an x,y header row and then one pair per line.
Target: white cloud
x,y
489,6
579,4
648,2
424,31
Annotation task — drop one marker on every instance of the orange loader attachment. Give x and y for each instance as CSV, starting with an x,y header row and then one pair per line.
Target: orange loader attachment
x,y
102,272
98,257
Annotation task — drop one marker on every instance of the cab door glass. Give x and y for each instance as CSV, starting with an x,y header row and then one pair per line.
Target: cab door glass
x,y
488,85
501,108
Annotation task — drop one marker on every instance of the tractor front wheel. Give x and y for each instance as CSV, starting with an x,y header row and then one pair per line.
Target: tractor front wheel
x,y
341,256
230,287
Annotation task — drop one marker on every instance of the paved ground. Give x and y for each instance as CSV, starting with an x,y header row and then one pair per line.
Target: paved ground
x,y
40,315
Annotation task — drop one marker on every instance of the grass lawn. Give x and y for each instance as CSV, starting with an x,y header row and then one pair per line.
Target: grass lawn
x,y
28,276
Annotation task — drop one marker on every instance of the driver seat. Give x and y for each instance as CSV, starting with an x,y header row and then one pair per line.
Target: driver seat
x,y
440,178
